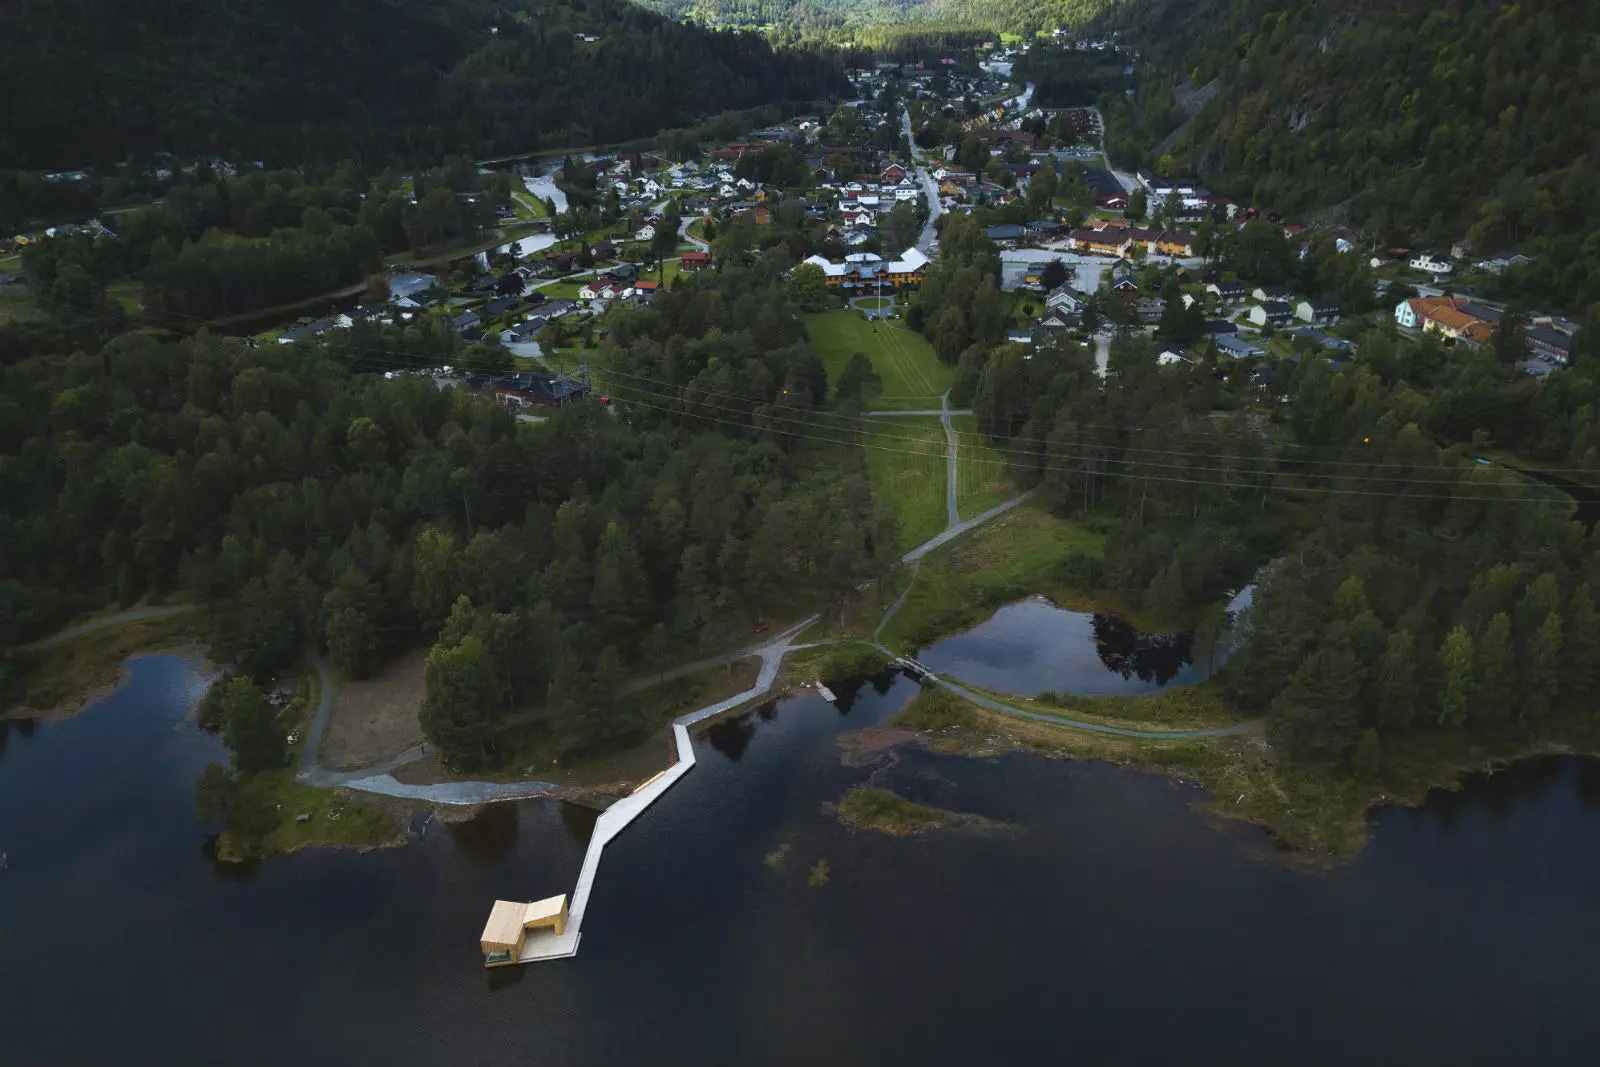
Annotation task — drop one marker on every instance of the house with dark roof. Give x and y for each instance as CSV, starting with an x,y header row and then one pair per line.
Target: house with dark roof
x,y
1544,341
1228,292
1006,234
533,389
498,307
1317,312
1237,347
465,321
1274,313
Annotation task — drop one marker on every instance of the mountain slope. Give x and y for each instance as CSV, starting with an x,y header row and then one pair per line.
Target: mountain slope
x,y
1422,120
828,17
304,79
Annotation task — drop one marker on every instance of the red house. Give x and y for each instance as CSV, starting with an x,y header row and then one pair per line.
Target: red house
x,y
894,172
694,261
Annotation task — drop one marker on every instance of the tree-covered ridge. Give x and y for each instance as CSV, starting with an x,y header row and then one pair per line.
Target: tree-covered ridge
x,y
826,18
306,500
1425,122
291,81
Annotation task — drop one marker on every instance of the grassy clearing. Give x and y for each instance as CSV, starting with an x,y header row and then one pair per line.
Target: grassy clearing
x,y
963,582
912,375
10,264
333,817
64,678
908,462
983,478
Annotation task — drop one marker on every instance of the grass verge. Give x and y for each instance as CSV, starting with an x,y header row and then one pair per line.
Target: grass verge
x,y
66,677
983,478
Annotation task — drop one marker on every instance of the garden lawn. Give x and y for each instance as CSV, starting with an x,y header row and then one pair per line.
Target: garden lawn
x,y
907,458
913,377
983,477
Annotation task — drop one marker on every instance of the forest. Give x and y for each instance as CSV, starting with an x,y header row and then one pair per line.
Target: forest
x,y
216,246
304,81
1422,122
883,23
308,501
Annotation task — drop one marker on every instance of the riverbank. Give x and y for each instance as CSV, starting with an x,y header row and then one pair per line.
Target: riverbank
x,y
65,674
1320,811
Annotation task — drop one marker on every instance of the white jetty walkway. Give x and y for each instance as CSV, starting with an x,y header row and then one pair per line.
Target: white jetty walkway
x,y
547,944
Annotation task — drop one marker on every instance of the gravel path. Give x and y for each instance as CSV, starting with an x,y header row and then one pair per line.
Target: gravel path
x,y
131,615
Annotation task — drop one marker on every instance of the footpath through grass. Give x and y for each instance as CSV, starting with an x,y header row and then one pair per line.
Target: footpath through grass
x,y
965,581
983,478
913,377
908,461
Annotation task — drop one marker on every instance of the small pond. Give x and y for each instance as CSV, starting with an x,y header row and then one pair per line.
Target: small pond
x,y
1032,646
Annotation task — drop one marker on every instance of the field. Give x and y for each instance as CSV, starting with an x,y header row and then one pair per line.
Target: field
x,y
907,458
912,375
965,581
983,478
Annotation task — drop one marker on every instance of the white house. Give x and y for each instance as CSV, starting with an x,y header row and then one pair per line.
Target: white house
x,y
651,187
646,232
1065,298
1431,263
1405,315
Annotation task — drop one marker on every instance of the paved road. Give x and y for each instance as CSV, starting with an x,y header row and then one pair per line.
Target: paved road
x,y
131,615
685,235
1061,720
1129,182
930,189
954,517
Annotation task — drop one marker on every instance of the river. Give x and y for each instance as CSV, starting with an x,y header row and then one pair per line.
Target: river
x,y
1116,922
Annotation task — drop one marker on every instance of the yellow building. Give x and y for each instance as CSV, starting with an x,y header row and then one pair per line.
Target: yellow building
x,y
509,923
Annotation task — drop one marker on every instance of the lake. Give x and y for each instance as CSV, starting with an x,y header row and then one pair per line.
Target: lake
x,y
1031,646
1115,923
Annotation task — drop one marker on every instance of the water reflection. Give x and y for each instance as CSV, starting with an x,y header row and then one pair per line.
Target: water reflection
x,y
1499,792
1157,658
488,836
579,821
732,736
23,728
1032,646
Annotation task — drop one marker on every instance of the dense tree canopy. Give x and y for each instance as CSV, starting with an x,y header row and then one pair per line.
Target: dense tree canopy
x,y
292,81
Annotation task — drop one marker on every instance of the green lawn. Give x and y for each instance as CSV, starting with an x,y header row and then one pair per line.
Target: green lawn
x,y
983,478
912,375
907,459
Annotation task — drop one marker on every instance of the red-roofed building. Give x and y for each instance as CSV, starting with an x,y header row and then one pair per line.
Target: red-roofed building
x,y
692,261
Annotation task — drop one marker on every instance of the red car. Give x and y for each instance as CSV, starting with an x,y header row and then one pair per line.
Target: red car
x,y
760,628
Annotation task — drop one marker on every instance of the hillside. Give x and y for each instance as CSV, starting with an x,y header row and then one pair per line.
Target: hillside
x,y
291,80
840,18
1421,122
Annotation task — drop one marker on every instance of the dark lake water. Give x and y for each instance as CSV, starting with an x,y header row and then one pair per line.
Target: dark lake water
x,y
1117,926
1032,646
